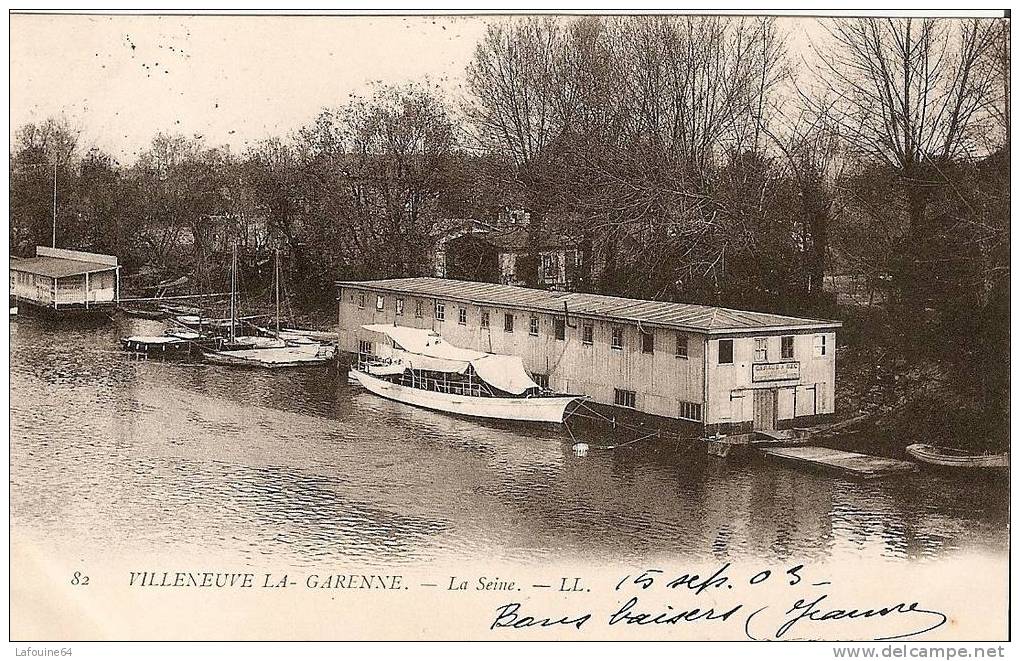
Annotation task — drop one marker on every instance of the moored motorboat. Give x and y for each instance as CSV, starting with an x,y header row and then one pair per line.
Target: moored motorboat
x,y
418,367
163,345
947,457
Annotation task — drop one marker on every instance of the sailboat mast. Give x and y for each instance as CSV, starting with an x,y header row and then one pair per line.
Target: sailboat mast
x,y
277,291
233,291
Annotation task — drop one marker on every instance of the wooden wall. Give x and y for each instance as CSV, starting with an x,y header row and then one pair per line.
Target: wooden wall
x,y
730,387
31,287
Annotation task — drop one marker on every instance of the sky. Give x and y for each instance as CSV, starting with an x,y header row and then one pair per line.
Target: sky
x,y
233,80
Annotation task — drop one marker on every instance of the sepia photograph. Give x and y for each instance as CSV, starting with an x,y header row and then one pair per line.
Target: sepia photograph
x,y
534,326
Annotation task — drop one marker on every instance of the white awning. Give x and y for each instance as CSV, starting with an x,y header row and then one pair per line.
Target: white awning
x,y
425,342
423,349
418,361
504,372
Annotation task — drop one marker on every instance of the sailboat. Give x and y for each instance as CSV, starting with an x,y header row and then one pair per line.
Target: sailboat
x,y
417,366
269,352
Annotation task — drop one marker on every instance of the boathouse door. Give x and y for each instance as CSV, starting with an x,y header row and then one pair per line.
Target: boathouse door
x,y
765,413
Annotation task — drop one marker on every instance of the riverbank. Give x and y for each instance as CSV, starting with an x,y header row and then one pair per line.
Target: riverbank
x,y
890,394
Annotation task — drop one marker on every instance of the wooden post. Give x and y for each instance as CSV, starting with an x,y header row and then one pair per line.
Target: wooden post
x,y
86,290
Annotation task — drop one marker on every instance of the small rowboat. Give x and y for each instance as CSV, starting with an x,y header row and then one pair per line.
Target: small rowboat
x,y
938,455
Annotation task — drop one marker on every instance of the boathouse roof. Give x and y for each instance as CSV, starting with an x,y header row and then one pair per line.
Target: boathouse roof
x,y
62,263
55,267
683,316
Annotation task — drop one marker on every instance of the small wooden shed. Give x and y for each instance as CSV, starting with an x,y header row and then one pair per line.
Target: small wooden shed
x,y
62,280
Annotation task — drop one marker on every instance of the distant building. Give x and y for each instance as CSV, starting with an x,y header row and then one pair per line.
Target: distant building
x,y
715,369
249,230
449,230
66,280
514,256
512,252
854,289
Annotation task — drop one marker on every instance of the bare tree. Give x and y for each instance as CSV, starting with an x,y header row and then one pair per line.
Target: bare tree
x,y
813,155
510,80
372,172
43,164
913,94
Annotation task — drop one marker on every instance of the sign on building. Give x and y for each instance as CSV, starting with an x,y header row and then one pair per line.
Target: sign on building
x,y
787,371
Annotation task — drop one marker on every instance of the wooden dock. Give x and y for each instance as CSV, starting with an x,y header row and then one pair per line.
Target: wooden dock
x,y
740,445
855,464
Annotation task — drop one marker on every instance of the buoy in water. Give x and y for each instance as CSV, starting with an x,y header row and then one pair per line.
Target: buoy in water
x,y
580,449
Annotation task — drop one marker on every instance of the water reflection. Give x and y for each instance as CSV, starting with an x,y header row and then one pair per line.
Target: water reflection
x,y
115,452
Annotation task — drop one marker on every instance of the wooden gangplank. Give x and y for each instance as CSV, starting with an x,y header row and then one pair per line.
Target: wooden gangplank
x,y
854,464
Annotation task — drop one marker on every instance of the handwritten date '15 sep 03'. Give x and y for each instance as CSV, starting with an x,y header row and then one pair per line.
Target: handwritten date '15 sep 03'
x,y
810,613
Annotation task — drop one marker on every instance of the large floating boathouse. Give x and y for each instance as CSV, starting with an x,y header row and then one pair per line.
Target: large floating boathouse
x,y
723,370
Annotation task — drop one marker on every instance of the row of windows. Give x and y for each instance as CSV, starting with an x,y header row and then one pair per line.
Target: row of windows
x,y
628,399
559,326
761,349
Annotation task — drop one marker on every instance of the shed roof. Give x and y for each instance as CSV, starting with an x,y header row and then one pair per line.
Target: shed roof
x,y
57,267
684,316
520,237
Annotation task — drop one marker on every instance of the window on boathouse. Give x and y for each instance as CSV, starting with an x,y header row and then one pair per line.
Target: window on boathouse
x,y
380,302
508,323
681,345
419,309
786,349
820,345
462,316
647,342
725,352
587,334
533,326
440,311
617,341
485,319
361,301
560,329
761,349
626,398
690,411
400,306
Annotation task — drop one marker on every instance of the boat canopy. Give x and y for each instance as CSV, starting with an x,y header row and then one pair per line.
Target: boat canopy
x,y
426,350
504,372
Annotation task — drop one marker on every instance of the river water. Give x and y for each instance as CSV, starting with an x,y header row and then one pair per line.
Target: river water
x,y
114,454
